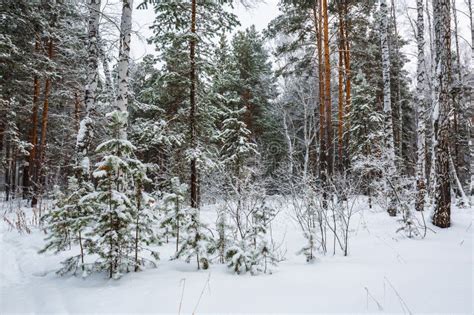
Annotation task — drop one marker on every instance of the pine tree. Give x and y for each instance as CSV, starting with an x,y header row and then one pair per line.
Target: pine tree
x,y
255,87
186,73
365,121
173,210
252,251
236,144
224,236
68,224
123,219
195,242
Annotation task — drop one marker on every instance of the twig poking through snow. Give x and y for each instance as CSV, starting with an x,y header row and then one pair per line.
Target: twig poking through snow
x,y
380,308
202,292
402,302
183,281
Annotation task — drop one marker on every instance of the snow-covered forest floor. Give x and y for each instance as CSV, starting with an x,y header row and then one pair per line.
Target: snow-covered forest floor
x,y
384,272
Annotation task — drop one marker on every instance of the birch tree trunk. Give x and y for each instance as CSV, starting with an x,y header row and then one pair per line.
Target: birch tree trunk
x,y
471,107
421,108
109,90
124,60
290,145
85,133
387,108
442,31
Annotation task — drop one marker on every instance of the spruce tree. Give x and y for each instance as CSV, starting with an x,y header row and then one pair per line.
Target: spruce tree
x,y
173,210
365,120
123,218
69,224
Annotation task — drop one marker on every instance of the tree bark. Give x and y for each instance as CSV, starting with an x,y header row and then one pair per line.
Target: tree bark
x,y
340,107
400,165
317,15
421,107
192,114
124,60
347,70
327,90
442,22
387,107
85,132
30,168
39,177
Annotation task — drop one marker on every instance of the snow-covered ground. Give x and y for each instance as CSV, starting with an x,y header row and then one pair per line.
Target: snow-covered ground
x,y
384,272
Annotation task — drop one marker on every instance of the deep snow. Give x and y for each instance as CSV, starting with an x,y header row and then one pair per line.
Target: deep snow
x,y
384,272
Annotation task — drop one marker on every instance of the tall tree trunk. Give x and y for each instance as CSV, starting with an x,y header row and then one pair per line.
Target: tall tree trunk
x,y
347,70
317,16
85,133
442,198
340,104
192,114
40,176
124,60
471,107
30,168
421,107
327,89
457,103
387,108
399,107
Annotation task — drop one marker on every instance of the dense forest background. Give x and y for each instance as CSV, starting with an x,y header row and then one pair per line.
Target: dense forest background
x,y
318,106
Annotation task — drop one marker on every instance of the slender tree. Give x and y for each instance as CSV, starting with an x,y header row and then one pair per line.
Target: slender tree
x,y
192,112
441,108
85,133
124,60
327,89
44,126
29,169
387,107
421,106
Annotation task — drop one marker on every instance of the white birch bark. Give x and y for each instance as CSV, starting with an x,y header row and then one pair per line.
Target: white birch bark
x,y
464,200
109,90
421,108
387,106
471,107
124,59
85,132
290,144
442,32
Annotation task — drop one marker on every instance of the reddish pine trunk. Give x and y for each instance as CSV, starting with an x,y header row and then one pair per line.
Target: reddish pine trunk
x,y
44,125
327,87
30,169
